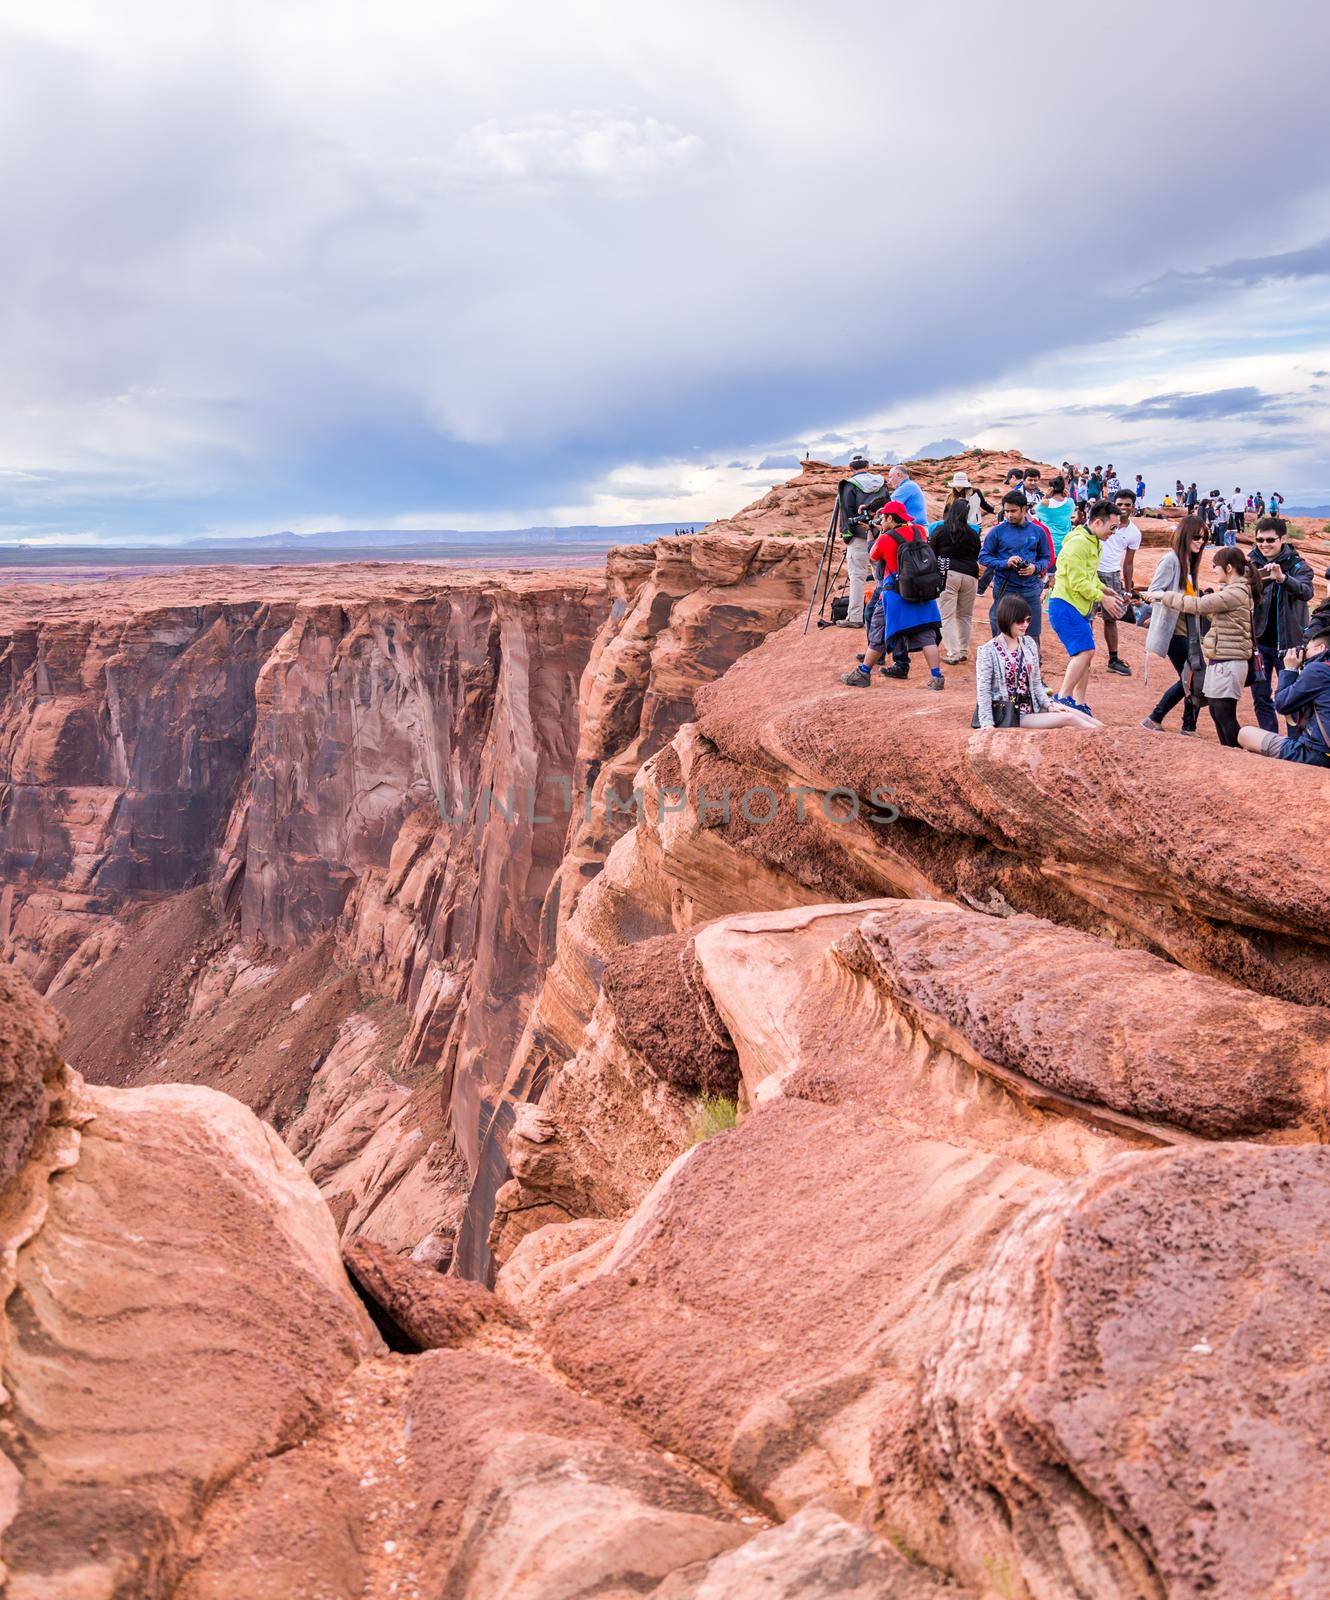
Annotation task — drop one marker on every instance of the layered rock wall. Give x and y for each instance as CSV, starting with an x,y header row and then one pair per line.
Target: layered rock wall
x,y
388,770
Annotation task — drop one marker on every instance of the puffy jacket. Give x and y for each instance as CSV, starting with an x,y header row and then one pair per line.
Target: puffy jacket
x,y
1289,599
1229,610
1077,580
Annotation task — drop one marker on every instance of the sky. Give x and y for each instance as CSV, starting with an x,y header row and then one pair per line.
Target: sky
x,y
293,265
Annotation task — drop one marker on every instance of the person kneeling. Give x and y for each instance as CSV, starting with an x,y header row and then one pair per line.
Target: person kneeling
x,y
1303,697
1010,690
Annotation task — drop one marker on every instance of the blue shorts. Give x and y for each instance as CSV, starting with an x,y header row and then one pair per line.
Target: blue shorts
x,y
1071,626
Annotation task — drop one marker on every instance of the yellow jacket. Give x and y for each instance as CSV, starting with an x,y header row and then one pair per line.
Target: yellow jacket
x,y
1077,580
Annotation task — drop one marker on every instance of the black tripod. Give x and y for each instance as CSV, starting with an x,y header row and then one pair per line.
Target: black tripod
x,y
826,575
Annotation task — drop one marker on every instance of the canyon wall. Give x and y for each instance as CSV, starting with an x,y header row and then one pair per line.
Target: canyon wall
x,y
411,772
366,761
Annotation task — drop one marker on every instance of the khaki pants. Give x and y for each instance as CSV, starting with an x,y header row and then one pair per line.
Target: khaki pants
x,y
956,604
856,562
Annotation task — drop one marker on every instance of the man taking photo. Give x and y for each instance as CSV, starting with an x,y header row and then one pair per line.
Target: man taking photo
x,y
1281,614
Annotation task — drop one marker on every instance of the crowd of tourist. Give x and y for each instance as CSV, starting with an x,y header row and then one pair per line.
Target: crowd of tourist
x,y
1066,551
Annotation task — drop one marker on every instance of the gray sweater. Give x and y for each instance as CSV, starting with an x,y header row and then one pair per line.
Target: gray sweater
x,y
990,678
1163,622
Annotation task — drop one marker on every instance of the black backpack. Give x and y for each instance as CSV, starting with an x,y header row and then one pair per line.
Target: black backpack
x,y
920,575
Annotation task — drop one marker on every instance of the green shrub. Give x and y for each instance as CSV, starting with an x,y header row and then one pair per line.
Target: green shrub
x,y
713,1113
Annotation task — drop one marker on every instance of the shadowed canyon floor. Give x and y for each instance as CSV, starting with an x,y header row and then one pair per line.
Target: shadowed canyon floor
x,y
1005,1276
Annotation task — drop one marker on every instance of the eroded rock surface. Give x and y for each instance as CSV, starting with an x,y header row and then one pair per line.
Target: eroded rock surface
x,y
176,1308
1134,1396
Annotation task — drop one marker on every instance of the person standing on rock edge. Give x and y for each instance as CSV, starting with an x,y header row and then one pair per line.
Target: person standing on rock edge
x,y
898,624
956,539
905,491
960,488
1237,507
1116,560
1287,585
1056,513
858,495
1219,518
1228,645
1174,636
1077,590
1015,553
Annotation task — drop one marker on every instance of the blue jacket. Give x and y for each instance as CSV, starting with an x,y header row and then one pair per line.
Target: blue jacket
x,y
1029,543
1308,691
911,496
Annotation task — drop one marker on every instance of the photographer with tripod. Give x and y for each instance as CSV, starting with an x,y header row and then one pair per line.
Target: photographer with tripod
x,y
858,497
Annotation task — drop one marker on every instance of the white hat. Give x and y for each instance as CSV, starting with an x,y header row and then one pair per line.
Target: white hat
x,y
960,480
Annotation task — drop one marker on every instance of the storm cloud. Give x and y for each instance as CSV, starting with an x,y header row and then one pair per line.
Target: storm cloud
x,y
273,265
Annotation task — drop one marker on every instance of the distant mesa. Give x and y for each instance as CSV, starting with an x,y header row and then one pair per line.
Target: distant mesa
x,y
938,449
349,544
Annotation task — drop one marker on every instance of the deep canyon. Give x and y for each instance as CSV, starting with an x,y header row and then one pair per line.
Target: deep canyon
x,y
377,940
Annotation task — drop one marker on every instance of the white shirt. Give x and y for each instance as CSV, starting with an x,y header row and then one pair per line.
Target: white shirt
x,y
1114,549
871,481
1237,503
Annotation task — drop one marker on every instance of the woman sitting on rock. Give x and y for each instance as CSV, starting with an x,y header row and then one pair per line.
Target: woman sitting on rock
x,y
1010,690
1228,645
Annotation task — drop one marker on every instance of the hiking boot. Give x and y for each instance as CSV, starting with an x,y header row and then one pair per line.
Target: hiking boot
x,y
844,622
936,683
1192,733
858,680
1120,667
1154,727
895,672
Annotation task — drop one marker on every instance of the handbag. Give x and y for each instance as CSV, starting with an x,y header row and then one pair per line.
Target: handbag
x,y
1005,715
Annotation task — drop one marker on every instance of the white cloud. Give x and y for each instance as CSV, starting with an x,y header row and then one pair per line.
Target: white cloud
x,y
363,259
578,146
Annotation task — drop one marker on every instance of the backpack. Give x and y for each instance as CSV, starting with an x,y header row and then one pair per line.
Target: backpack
x,y
920,576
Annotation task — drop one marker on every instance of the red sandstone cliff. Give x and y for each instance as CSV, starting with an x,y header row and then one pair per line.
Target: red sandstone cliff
x,y
1008,1279
360,760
